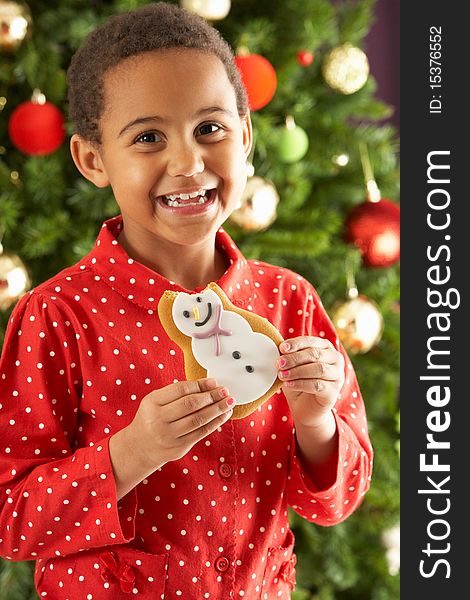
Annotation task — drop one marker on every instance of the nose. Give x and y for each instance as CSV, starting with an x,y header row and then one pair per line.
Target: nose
x,y
184,160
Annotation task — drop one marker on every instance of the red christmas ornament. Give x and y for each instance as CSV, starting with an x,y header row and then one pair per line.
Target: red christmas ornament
x,y
36,128
374,227
259,78
304,58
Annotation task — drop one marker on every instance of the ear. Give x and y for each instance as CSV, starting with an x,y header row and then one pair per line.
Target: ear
x,y
247,133
87,159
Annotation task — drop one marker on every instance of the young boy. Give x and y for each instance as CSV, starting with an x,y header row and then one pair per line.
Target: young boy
x,y
118,475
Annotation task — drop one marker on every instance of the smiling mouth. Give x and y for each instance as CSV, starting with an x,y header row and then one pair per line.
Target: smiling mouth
x,y
209,315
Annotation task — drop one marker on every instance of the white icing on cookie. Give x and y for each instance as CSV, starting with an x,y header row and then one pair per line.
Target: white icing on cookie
x,y
224,344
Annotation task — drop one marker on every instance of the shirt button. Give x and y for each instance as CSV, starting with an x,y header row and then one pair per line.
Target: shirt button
x,y
225,470
222,564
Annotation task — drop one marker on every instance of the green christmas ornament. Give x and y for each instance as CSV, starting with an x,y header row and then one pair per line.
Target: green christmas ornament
x,y
292,142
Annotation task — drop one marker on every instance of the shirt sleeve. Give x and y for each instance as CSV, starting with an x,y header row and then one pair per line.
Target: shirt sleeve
x,y
54,499
350,472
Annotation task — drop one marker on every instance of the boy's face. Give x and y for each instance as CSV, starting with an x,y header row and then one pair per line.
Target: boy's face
x,y
159,139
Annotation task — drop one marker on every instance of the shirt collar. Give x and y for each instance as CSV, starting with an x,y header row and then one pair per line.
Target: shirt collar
x,y
143,286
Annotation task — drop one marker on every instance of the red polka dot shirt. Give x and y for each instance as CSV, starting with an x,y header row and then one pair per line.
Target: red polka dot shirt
x,y
81,351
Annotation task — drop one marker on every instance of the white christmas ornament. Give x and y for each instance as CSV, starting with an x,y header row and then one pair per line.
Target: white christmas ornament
x,y
224,344
212,10
391,542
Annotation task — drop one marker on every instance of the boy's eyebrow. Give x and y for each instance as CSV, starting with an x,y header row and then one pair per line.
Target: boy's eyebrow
x,y
199,113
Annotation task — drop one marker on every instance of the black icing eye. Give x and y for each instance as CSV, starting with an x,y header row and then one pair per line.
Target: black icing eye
x,y
199,299
236,354
249,368
186,314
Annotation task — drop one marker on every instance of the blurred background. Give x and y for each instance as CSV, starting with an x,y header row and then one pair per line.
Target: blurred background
x,y
382,45
322,198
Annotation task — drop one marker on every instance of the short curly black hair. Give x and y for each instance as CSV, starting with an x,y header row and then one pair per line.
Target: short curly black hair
x,y
156,26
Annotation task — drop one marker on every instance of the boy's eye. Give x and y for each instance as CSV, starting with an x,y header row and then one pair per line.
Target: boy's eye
x,y
147,138
209,125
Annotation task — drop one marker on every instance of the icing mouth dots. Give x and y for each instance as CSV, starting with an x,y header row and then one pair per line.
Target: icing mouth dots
x,y
226,346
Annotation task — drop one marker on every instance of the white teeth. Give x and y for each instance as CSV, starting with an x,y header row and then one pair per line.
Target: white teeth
x,y
172,201
200,192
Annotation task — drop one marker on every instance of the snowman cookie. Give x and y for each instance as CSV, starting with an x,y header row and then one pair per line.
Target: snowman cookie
x,y
236,347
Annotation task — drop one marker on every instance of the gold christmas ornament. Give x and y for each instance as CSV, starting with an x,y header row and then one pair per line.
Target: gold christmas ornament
x,y
358,322
257,209
212,10
346,69
14,279
15,24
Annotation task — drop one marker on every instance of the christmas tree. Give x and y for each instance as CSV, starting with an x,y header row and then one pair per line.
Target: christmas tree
x,y
319,139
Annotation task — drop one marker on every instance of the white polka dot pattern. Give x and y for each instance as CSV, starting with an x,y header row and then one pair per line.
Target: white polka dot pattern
x,y
80,353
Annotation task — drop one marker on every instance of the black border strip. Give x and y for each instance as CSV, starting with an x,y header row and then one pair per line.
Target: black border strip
x,y
434,257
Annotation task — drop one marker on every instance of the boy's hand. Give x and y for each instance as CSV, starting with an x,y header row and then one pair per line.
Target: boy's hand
x,y
313,374
171,420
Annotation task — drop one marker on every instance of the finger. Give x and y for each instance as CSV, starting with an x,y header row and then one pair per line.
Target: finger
x,y
192,403
201,421
190,439
318,370
310,355
318,387
302,342
174,391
